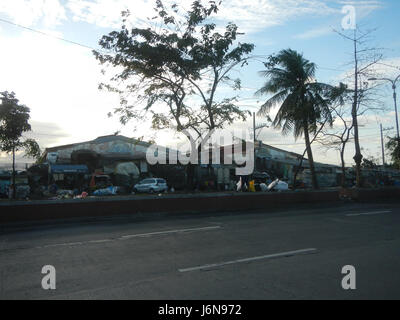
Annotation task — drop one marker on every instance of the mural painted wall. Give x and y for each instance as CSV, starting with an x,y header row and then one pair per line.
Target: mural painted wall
x,y
103,148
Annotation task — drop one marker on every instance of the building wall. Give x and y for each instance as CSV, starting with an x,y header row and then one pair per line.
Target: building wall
x,y
102,148
266,151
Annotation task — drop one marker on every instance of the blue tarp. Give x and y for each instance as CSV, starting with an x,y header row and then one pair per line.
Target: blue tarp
x,y
68,168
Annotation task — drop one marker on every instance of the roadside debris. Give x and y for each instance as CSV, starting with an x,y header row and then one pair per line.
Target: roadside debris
x,y
278,185
106,191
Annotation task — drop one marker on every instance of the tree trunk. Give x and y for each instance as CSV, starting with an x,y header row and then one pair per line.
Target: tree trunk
x,y
310,158
13,175
297,171
358,156
343,180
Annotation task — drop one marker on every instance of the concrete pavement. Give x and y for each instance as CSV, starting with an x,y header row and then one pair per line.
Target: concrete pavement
x,y
282,254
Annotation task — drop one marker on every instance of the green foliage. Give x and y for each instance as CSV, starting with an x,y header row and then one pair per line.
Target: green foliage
x,y
169,62
14,119
302,101
393,145
32,149
369,163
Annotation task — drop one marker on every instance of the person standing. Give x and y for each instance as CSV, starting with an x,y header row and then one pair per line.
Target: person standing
x,y
10,191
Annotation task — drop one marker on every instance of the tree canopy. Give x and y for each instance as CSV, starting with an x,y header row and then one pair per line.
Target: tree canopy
x,y
176,63
304,103
14,121
393,146
301,99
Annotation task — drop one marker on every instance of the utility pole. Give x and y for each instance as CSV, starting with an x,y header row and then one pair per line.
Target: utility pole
x,y
383,148
382,144
254,142
256,127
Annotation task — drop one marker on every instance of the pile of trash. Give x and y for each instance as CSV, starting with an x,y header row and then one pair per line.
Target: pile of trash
x,y
276,185
106,191
83,195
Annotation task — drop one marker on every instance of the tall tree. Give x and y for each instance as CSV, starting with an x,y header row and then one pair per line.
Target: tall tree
x,y
303,102
363,61
393,145
14,119
173,68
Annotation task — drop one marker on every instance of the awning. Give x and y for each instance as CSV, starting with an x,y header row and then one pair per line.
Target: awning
x,y
68,168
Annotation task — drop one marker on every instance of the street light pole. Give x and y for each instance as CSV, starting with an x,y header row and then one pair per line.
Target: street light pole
x,y
395,106
383,145
383,148
393,82
256,127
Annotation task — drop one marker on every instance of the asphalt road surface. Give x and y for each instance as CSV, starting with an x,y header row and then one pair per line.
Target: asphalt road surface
x,y
294,253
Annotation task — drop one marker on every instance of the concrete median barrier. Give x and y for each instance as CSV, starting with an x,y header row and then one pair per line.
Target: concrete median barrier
x,y
20,211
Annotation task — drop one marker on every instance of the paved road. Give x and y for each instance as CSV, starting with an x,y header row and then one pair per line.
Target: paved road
x,y
286,254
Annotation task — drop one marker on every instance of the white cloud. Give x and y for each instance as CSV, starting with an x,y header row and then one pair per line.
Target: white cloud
x,y
388,68
28,13
58,82
314,33
106,13
254,16
363,7
250,15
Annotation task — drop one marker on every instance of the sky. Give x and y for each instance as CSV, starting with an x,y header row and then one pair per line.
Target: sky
x,y
58,79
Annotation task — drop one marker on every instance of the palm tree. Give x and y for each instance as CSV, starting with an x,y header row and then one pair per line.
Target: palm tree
x,y
303,102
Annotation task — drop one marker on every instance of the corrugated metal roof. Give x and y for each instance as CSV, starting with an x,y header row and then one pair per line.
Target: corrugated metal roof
x,y
101,139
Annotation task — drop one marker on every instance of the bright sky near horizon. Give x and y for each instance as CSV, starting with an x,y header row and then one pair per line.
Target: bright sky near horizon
x,y
59,80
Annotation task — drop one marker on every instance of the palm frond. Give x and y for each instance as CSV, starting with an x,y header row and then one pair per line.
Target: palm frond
x,y
303,102
271,102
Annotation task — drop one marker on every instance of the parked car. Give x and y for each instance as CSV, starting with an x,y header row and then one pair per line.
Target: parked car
x,y
151,185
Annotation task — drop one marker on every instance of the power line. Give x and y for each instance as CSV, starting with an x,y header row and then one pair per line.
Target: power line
x,y
46,134
47,34
91,48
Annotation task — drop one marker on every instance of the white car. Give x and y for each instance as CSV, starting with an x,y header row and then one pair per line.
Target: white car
x,y
151,185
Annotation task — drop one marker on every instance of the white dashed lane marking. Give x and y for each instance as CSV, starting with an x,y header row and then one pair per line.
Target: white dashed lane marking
x,y
367,213
130,236
268,256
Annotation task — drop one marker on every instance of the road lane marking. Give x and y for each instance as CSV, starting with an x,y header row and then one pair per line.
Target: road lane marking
x,y
367,213
130,236
168,232
268,256
62,244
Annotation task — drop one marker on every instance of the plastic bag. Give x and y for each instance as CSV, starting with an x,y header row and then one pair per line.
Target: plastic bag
x,y
239,185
